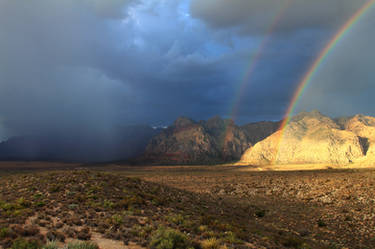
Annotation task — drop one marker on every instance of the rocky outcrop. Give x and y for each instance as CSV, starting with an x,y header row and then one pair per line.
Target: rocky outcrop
x,y
258,131
187,141
364,128
310,137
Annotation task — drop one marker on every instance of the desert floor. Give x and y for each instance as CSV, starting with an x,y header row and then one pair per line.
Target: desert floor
x,y
321,208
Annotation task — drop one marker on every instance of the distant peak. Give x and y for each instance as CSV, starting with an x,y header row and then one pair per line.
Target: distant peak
x,y
215,122
316,112
215,119
313,114
183,122
359,116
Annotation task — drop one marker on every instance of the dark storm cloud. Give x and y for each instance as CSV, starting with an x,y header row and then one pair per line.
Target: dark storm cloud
x,y
90,65
256,16
77,66
49,52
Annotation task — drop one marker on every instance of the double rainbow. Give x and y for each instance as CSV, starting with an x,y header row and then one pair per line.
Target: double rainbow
x,y
318,62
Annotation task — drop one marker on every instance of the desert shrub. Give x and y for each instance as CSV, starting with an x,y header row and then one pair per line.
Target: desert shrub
x,y
293,242
177,219
117,219
25,244
201,229
30,230
55,235
321,223
211,243
22,203
73,206
4,232
38,196
260,213
40,204
138,231
169,239
82,245
55,188
230,237
108,204
7,206
51,245
84,234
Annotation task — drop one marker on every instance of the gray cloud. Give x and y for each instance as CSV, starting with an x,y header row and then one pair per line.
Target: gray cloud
x,y
49,77
344,83
256,16
89,65
110,8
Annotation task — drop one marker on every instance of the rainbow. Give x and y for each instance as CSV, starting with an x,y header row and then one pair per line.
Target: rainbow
x,y
253,62
255,58
317,63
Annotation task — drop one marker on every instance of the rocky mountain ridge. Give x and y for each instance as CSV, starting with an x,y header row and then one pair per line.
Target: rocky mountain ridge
x,y
311,137
212,141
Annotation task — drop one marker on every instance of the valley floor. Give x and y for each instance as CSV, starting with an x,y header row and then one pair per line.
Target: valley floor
x,y
240,206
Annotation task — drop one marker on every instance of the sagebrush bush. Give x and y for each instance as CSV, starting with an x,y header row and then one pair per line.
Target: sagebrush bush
x,y
81,245
211,243
25,244
72,245
169,239
51,245
4,232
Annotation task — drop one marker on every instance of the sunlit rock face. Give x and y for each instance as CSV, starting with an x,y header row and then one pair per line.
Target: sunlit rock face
x,y
310,137
364,128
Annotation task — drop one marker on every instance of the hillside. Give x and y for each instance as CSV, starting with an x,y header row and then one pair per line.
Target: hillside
x,y
110,209
188,141
311,137
212,141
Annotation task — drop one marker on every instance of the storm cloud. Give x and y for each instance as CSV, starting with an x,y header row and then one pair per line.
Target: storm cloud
x,y
49,79
90,65
256,16
344,83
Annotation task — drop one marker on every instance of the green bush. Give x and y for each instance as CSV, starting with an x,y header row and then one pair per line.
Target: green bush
x,y
51,245
169,239
321,223
24,244
4,232
211,243
82,245
260,213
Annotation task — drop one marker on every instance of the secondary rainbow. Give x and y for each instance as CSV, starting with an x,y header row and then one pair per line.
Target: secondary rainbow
x,y
253,62
317,63
255,58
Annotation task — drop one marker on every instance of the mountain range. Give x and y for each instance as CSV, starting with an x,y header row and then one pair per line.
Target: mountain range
x,y
309,138
216,140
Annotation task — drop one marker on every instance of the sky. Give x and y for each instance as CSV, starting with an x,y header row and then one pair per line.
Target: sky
x,y
88,65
